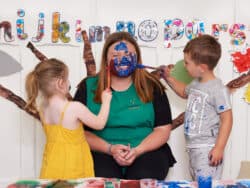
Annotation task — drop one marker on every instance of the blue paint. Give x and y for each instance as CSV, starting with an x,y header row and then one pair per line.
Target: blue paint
x,y
204,182
172,184
244,184
121,47
127,60
140,66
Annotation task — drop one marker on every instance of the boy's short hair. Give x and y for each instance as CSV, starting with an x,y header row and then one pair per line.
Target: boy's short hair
x,y
204,49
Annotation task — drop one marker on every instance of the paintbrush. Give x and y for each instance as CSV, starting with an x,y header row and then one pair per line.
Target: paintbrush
x,y
141,66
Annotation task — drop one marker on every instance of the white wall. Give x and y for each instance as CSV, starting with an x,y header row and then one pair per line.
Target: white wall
x,y
21,137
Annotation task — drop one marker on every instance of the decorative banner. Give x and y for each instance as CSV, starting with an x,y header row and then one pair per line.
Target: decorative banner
x,y
236,31
7,31
173,30
126,26
20,25
148,30
194,29
247,94
241,60
8,65
216,28
40,29
179,72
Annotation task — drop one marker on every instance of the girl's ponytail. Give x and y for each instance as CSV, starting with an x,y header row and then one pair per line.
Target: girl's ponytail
x,y
32,89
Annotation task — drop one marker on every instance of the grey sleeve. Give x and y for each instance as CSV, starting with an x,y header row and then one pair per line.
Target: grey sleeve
x,y
189,86
222,100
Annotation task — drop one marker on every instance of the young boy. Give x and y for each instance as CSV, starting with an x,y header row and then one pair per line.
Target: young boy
x,y
208,115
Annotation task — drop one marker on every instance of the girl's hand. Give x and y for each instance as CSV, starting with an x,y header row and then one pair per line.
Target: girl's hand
x,y
106,95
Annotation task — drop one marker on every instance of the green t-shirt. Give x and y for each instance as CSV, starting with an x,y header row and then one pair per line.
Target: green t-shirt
x,y
129,121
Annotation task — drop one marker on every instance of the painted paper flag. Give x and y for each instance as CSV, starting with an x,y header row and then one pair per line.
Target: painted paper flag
x,y
8,65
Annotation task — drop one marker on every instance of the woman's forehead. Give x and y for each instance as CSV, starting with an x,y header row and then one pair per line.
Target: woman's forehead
x,y
122,46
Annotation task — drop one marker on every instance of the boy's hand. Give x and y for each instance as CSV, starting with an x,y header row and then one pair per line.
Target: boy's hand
x,y
166,70
215,156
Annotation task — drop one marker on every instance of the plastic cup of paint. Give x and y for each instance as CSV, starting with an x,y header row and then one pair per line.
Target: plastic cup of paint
x,y
204,181
148,183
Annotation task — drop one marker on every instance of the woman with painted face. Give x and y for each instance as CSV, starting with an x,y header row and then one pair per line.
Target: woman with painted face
x,y
133,144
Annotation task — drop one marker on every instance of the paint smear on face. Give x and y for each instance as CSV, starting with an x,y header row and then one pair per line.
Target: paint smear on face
x,y
125,65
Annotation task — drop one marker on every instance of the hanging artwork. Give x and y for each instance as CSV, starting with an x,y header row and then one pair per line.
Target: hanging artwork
x,y
126,26
59,29
148,30
98,33
216,28
247,94
236,31
6,26
40,28
106,31
20,25
241,60
173,30
194,29
78,35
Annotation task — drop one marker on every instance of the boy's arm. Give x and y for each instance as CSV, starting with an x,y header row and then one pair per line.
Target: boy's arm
x,y
177,86
216,154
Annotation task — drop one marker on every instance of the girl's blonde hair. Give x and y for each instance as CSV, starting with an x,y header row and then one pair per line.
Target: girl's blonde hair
x,y
40,79
143,80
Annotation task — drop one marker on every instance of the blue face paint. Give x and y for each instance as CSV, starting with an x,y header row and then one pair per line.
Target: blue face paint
x,y
121,47
118,64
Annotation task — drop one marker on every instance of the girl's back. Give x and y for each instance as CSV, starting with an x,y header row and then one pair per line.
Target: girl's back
x,y
67,153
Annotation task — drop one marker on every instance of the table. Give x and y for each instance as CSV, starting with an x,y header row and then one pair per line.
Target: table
x,y
117,183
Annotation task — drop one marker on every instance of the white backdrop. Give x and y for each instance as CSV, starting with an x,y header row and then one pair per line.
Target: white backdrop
x,y
21,137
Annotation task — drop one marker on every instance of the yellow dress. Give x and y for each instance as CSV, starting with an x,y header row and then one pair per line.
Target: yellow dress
x,y
67,154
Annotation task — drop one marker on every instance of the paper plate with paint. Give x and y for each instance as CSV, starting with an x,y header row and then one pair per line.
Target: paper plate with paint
x,y
180,72
8,65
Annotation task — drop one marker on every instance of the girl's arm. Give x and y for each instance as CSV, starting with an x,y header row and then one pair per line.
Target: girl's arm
x,y
91,120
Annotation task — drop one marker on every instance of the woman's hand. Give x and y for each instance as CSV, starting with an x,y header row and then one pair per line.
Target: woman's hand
x,y
119,152
131,156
